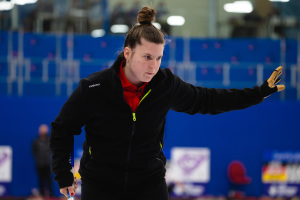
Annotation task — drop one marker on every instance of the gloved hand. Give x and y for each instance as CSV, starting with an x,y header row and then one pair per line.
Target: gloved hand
x,y
269,86
71,189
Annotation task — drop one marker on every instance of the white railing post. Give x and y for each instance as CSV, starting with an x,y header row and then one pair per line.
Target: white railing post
x,y
20,63
27,64
77,71
283,63
20,79
298,82
298,68
226,74
12,73
45,76
259,74
293,75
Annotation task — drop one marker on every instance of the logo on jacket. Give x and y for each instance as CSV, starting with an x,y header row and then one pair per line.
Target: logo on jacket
x,y
94,85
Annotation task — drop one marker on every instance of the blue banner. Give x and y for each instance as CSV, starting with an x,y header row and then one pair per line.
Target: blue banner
x,y
281,173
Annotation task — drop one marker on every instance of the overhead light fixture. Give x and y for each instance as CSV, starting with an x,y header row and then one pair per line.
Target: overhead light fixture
x,y
98,33
23,2
6,5
239,7
119,28
175,20
157,25
279,0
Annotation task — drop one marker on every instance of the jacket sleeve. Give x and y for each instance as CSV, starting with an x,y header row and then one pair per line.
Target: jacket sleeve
x,y
191,99
68,123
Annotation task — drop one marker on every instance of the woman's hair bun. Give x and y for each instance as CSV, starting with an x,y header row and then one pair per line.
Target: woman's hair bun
x,y
146,15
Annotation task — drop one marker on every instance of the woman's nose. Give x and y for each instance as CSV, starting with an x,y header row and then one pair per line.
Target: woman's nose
x,y
154,63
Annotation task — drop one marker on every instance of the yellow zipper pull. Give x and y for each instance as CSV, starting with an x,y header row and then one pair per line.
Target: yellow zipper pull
x,y
134,118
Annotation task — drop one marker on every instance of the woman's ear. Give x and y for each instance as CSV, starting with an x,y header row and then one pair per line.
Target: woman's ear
x,y
127,52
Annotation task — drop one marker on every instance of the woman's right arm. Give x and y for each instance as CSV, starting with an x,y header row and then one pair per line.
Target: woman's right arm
x,y
68,123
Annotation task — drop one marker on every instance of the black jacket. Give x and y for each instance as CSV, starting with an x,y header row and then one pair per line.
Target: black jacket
x,y
124,148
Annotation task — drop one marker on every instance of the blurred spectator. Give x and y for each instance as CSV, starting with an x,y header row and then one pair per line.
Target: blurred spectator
x,y
118,15
252,21
29,22
248,26
45,6
42,155
95,14
133,12
77,20
275,23
162,16
79,4
5,21
161,11
45,15
40,18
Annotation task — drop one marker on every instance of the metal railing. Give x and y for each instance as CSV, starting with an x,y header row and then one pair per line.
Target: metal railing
x,y
69,72
17,71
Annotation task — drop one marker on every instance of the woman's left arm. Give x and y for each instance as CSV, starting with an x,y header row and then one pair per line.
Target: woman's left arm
x,y
190,99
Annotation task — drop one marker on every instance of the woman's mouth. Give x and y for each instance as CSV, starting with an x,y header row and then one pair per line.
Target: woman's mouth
x,y
149,73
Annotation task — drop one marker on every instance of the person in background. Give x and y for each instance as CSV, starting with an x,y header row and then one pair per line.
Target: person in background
x,y
118,15
42,156
162,16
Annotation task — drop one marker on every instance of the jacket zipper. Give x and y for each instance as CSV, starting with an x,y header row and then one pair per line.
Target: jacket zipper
x,y
130,142
90,151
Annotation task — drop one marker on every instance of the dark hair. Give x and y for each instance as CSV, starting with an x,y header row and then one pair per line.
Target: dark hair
x,y
145,29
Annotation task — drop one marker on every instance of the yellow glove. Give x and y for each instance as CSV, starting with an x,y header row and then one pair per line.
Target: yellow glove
x,y
269,86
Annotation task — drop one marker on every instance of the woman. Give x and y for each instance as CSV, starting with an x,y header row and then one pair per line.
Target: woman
x,y
123,109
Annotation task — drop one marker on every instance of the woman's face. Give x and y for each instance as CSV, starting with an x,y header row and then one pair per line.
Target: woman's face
x,y
142,62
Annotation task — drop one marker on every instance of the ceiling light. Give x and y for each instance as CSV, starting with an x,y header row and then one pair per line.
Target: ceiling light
x,y
98,33
239,7
119,28
279,0
176,20
6,5
23,2
157,25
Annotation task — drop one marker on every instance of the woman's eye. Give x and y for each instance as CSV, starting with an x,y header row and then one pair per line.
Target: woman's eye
x,y
147,57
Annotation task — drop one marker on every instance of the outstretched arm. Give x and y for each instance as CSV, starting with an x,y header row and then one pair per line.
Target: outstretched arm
x,y
191,99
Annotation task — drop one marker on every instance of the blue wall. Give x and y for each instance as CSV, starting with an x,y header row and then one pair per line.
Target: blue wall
x,y
242,135
19,122
239,135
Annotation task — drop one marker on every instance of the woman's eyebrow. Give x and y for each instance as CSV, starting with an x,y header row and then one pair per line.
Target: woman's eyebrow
x,y
148,54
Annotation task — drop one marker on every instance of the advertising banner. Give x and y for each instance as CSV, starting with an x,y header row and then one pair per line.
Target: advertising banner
x,y
281,173
5,169
188,171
